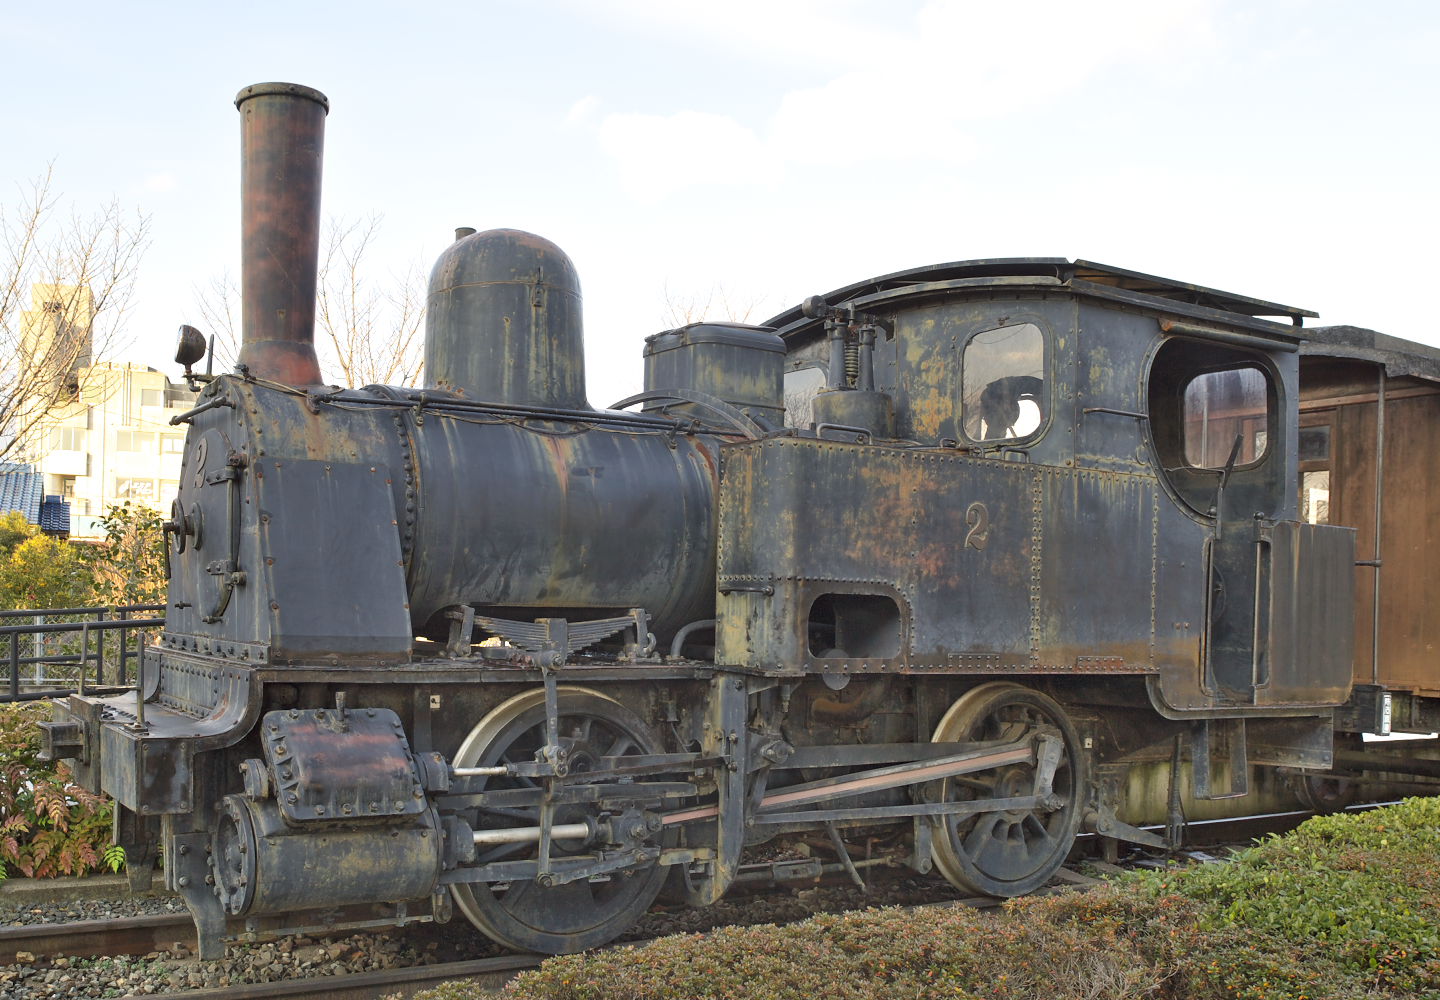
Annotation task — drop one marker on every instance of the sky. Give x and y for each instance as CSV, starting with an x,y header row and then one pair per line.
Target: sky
x,y
754,152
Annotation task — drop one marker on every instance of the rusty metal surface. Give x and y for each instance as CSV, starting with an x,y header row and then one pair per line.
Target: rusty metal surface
x,y
329,763
740,365
503,322
975,556
282,129
86,938
1178,296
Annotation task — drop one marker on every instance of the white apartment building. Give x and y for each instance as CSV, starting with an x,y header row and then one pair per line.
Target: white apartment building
x,y
114,443
105,436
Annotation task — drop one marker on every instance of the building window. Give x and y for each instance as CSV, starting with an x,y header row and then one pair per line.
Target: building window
x,y
135,489
134,441
172,444
152,397
68,439
67,487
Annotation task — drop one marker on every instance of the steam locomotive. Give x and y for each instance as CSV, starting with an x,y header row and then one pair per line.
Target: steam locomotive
x,y
929,562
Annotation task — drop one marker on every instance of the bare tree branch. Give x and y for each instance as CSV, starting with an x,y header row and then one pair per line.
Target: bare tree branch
x,y
717,305
368,327
219,305
371,328
65,286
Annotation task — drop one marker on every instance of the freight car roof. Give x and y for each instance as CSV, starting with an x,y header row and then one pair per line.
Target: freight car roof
x,y
1400,357
1057,271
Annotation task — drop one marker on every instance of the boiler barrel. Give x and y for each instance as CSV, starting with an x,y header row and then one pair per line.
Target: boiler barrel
x,y
555,521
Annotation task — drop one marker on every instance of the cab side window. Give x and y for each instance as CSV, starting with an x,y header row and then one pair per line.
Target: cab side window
x,y
1225,412
1003,386
802,385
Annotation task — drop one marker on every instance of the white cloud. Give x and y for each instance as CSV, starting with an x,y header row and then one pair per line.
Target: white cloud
x,y
582,110
912,89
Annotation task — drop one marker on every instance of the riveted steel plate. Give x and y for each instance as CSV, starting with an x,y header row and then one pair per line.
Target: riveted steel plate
x,y
339,765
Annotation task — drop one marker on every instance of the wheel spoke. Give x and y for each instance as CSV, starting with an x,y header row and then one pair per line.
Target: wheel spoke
x,y
1014,851
621,743
982,834
582,914
1039,839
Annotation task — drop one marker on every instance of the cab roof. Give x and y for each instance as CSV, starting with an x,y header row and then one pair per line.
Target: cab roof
x,y
1084,276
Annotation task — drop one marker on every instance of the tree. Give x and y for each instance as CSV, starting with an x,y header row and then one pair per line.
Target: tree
x,y
128,565
43,572
14,529
367,325
65,284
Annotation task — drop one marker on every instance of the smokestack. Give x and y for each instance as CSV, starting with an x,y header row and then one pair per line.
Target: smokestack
x,y
282,138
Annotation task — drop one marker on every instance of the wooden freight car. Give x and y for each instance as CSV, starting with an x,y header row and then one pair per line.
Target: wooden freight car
x,y
1369,441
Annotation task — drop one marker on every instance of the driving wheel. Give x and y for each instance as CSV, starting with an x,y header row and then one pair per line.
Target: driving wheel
x,y
1010,852
573,916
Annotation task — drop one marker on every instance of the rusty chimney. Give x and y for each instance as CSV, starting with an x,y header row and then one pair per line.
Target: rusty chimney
x,y
282,138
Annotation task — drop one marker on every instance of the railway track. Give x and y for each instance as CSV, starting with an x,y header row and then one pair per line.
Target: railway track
x,y
487,973
174,933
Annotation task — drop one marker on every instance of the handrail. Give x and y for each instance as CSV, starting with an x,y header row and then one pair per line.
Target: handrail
x,y
99,611
85,656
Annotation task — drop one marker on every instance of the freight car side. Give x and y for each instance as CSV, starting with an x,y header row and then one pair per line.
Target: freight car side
x,y
1369,444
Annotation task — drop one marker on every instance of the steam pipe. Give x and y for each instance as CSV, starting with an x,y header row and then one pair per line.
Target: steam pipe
x,y
282,138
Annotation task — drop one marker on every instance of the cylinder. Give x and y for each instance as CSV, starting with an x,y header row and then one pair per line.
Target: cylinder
x,y
264,865
503,323
282,136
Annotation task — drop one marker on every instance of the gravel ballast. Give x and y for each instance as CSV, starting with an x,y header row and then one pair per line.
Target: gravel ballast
x,y
177,970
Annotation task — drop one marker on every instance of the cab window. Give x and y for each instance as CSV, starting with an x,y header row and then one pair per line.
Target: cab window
x,y
1003,387
802,385
1226,412
1208,400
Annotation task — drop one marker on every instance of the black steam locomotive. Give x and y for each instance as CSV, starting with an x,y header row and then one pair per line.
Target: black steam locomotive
x,y
928,562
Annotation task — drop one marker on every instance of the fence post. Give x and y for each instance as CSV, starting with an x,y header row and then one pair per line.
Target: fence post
x,y
100,652
41,674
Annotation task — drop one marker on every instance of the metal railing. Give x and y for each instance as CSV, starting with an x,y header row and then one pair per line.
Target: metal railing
x,y
107,636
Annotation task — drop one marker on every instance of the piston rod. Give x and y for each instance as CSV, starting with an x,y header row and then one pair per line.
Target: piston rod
x,y
529,834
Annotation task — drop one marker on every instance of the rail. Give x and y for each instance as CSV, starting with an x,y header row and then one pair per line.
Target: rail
x,y
118,636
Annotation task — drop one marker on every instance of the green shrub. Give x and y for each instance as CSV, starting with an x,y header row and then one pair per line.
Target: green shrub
x,y
1357,893
1345,907
49,826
